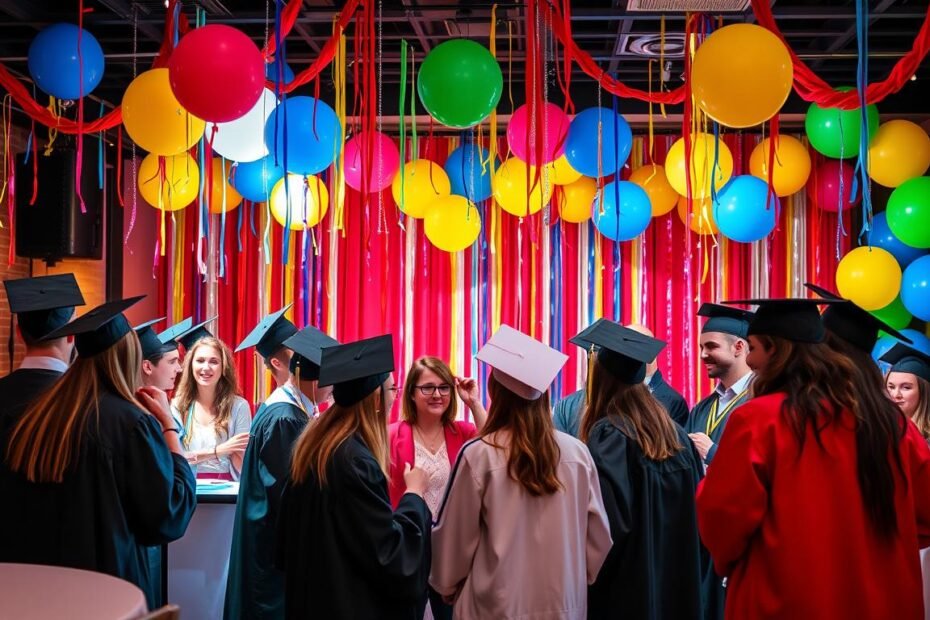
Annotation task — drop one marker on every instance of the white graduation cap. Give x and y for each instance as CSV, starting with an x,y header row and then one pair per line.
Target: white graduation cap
x,y
523,365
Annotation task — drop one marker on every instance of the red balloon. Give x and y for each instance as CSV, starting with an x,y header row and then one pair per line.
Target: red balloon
x,y
824,185
217,73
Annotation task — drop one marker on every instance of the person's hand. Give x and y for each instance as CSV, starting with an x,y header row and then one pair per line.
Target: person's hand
x,y
702,442
155,402
467,389
415,479
236,443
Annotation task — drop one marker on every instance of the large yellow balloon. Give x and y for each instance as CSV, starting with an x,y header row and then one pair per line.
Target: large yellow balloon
x,y
869,277
661,194
741,75
452,223
561,172
153,117
178,186
511,190
792,164
899,151
701,166
575,200
220,181
700,218
306,198
423,182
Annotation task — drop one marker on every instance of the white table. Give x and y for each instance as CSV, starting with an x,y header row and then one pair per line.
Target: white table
x,y
40,592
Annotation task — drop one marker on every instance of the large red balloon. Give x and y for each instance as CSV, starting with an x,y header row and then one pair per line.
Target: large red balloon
x,y
217,73
823,186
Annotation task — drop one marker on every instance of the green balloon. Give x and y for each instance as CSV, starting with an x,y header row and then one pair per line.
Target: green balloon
x,y
908,212
894,314
835,132
460,83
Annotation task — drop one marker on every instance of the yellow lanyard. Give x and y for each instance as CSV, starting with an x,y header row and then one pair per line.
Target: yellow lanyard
x,y
714,420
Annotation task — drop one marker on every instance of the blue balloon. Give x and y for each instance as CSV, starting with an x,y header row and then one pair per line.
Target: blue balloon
x,y
741,212
632,217
271,72
581,144
54,64
915,288
882,237
255,179
313,138
467,174
920,341
884,344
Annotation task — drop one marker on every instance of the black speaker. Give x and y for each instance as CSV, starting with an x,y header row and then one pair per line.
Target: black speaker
x,y
53,227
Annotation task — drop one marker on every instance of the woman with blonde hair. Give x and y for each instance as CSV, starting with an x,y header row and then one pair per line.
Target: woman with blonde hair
x,y
214,417
92,471
908,384
345,552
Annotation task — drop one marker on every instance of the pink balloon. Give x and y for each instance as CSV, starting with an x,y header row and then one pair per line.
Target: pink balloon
x,y
824,185
217,73
553,125
383,150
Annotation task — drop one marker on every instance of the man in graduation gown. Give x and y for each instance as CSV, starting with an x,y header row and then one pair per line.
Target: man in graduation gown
x,y
255,587
268,339
567,412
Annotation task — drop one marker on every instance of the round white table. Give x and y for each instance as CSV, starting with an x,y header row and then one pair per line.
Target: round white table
x,y
41,592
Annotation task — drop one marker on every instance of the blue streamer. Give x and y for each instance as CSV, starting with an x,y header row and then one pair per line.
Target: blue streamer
x,y
305,277
713,170
617,171
100,153
555,300
591,250
618,301
239,220
862,79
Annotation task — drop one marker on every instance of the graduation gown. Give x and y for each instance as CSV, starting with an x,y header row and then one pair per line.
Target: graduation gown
x,y
668,397
126,491
700,419
345,552
789,528
654,570
19,388
255,586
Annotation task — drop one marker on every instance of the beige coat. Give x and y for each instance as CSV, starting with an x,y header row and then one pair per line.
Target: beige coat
x,y
505,554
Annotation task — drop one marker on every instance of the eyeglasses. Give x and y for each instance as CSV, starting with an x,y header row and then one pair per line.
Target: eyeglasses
x,y
429,389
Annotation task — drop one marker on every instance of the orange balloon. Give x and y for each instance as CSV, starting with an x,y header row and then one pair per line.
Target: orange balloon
x,y
221,178
792,165
575,200
701,217
661,193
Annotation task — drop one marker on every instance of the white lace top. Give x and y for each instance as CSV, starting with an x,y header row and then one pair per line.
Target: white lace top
x,y
436,465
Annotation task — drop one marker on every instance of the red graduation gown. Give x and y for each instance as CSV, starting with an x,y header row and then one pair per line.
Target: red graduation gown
x,y
790,531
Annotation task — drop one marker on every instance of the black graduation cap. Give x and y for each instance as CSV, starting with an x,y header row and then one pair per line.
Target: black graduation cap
x,y
99,329
177,330
582,339
270,333
356,369
797,320
148,340
307,345
725,320
908,359
43,304
621,350
851,323
195,333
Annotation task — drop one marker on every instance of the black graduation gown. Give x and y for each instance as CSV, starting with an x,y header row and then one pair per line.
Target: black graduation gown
x,y
19,388
345,552
255,587
697,421
126,491
654,570
668,397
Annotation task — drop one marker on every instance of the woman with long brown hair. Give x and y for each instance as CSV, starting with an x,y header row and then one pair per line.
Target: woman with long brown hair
x,y
214,417
92,471
908,384
649,471
818,481
345,552
522,530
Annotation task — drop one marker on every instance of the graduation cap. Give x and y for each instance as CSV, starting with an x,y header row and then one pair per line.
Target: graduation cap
x,y
356,369
148,340
797,320
270,333
908,359
851,323
307,345
725,320
174,332
43,304
621,350
99,329
194,334
523,365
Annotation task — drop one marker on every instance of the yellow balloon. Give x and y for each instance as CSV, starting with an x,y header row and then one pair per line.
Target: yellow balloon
x,y
561,172
423,182
701,217
741,75
219,180
575,200
511,190
452,223
153,117
869,277
899,151
792,164
178,186
701,166
306,198
661,193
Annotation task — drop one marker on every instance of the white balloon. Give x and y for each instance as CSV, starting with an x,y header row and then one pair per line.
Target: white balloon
x,y
244,138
